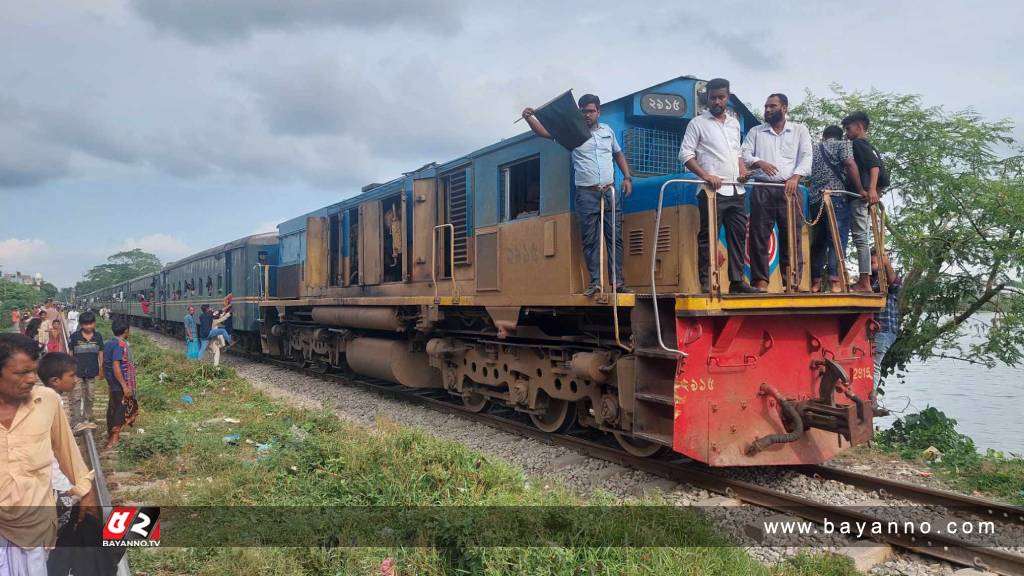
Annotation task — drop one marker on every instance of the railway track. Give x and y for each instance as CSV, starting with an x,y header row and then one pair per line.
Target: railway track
x,y
682,470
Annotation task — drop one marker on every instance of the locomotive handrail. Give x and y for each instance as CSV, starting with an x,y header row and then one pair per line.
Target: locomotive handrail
x,y
615,280
259,280
433,261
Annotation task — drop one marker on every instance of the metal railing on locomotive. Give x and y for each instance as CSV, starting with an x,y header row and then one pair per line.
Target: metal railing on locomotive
x,y
793,210
615,280
451,262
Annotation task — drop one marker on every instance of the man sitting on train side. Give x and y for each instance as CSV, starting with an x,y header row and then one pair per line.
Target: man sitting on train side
x,y
594,175
711,150
778,151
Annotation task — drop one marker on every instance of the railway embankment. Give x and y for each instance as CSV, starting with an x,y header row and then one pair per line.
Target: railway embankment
x,y
209,437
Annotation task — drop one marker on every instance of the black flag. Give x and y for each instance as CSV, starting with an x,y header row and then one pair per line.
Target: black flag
x,y
563,120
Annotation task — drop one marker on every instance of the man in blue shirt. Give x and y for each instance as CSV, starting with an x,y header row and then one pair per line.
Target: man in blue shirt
x,y
594,175
889,318
122,406
190,327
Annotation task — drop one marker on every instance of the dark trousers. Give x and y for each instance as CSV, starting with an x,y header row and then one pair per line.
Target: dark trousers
x,y
768,208
822,250
588,216
732,214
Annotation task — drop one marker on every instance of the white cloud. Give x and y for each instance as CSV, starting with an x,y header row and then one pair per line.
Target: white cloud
x,y
165,246
269,226
22,254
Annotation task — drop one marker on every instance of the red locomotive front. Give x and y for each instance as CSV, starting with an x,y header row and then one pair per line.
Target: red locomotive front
x,y
772,389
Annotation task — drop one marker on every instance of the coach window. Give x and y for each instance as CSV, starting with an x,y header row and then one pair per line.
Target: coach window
x,y
209,286
220,284
520,189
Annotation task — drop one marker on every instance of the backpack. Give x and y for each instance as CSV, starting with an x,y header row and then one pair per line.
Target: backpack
x,y
883,172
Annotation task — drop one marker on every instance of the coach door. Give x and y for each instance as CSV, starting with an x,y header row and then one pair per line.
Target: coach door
x,y
371,249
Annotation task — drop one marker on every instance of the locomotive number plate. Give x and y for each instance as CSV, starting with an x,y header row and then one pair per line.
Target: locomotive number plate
x,y
663,104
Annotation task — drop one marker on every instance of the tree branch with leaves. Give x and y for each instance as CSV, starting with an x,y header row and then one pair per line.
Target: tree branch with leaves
x,y
955,220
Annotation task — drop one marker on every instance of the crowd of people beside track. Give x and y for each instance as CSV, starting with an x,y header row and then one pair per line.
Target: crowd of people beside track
x,y
776,152
47,498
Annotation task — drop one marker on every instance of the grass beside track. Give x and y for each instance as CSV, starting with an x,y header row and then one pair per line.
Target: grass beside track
x,y
316,459
958,461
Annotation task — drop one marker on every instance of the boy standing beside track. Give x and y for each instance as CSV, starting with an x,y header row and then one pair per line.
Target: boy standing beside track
x,y
122,407
86,345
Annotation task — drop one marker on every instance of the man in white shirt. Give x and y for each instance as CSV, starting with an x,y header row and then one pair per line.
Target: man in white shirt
x,y
777,151
711,150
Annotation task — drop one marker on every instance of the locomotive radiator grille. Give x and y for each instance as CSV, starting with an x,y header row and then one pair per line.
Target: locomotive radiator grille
x,y
457,210
652,152
636,241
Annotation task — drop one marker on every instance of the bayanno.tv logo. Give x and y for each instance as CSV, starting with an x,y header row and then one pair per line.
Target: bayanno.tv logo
x,y
132,526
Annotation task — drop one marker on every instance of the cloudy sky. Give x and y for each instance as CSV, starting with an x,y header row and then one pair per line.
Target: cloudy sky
x,y
173,125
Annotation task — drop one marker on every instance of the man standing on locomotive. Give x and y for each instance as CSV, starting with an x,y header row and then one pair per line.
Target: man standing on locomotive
x,y
594,176
711,150
778,151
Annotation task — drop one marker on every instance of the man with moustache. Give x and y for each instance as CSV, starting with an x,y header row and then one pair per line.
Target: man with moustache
x,y
777,151
711,150
594,176
33,430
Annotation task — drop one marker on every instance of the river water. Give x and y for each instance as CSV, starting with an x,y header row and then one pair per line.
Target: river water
x,y
988,404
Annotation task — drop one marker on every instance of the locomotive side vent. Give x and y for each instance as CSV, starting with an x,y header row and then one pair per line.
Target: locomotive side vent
x,y
455,182
636,242
664,239
652,152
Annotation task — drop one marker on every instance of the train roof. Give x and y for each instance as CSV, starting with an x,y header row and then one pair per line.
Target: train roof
x,y
262,239
404,182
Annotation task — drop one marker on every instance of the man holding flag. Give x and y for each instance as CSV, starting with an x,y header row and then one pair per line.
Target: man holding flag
x,y
594,178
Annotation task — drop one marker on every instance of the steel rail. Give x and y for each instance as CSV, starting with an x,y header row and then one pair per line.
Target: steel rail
x,y
933,545
919,494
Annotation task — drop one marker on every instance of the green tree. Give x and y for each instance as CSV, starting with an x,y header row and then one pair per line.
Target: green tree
x,y
49,290
955,221
16,296
118,268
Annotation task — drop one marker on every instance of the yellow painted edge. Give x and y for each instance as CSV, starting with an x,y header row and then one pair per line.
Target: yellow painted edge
x,y
779,302
625,300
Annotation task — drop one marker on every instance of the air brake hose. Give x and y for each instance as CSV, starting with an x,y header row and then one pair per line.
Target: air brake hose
x,y
790,411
